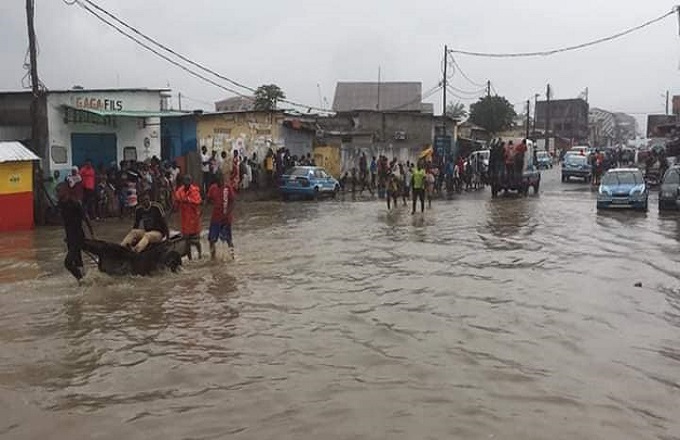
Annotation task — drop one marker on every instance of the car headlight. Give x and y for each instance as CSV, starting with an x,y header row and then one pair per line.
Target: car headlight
x,y
604,192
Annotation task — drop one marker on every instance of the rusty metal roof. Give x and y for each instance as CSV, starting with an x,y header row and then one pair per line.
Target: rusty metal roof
x,y
14,151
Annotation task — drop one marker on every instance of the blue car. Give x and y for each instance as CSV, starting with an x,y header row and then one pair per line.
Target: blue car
x,y
623,188
576,165
308,182
544,161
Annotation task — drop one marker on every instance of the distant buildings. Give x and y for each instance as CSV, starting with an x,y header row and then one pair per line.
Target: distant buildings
x,y
609,128
568,118
236,104
381,118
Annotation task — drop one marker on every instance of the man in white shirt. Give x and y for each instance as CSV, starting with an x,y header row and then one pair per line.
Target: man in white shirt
x,y
205,168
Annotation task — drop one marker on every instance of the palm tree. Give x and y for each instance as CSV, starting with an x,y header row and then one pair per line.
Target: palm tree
x,y
456,110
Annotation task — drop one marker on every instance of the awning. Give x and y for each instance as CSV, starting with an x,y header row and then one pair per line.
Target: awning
x,y
131,113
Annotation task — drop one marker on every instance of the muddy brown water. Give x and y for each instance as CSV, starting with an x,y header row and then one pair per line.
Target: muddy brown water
x,y
509,319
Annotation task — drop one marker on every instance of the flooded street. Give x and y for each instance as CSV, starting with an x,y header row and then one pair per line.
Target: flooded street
x,y
514,318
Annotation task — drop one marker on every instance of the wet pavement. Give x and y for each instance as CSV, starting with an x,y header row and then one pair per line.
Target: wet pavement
x,y
514,318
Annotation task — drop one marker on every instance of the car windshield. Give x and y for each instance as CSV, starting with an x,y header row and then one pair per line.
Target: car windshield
x,y
622,178
672,177
484,154
576,159
299,172
541,155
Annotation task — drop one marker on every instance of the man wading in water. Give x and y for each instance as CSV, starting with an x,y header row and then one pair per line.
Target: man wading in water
x,y
222,196
418,185
74,216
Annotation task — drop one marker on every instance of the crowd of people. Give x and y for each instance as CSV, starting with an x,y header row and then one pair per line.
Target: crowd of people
x,y
393,179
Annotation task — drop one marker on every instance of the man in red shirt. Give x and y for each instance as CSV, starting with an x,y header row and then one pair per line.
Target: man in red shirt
x,y
223,198
87,173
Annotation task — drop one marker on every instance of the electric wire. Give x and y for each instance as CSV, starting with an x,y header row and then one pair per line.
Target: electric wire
x,y
675,10
83,4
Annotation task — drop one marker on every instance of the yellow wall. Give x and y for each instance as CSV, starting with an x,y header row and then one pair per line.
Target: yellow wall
x,y
16,177
245,132
329,158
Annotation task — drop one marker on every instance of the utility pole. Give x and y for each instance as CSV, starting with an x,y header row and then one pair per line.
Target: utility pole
x,y
444,86
536,95
179,100
488,89
377,105
528,116
547,119
35,82
668,95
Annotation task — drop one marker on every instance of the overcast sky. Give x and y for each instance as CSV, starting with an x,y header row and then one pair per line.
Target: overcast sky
x,y
304,43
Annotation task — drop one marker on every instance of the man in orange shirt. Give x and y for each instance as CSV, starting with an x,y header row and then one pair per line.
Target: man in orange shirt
x,y
188,200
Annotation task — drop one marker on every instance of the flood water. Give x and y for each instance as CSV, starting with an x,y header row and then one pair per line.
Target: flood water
x,y
509,319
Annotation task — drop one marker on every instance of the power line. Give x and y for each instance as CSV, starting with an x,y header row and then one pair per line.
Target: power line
x,y
466,92
463,98
154,51
166,48
429,93
675,10
168,59
456,66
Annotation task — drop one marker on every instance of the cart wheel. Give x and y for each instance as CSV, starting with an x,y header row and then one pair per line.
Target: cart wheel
x,y
173,261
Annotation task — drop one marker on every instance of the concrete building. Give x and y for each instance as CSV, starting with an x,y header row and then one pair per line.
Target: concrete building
x,y
602,126
256,131
380,118
103,125
236,104
568,118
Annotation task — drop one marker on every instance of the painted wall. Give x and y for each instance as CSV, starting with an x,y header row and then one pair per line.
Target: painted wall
x,y
246,132
178,136
16,195
328,156
130,132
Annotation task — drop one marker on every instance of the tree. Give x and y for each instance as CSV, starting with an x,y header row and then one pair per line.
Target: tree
x,y
456,110
267,96
493,113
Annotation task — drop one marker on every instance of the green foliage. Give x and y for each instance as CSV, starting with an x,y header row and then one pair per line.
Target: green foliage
x,y
267,97
456,110
493,113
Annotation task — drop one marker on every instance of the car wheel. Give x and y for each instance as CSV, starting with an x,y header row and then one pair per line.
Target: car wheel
x,y
564,178
316,193
537,186
284,197
336,191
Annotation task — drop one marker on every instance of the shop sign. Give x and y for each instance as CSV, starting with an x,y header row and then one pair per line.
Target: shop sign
x,y
99,104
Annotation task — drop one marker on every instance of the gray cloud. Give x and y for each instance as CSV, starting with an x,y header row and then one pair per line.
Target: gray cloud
x,y
304,43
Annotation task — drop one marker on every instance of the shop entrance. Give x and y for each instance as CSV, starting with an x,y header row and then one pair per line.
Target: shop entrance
x,y
100,148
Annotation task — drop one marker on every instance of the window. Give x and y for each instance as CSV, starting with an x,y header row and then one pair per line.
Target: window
x,y
130,154
320,174
59,154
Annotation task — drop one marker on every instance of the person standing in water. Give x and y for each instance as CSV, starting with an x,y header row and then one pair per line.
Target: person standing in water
x,y
418,187
74,216
223,197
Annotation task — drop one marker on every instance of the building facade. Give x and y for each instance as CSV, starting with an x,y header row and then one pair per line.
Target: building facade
x,y
568,118
255,132
102,125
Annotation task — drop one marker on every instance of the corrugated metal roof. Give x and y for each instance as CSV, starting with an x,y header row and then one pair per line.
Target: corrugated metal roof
x,y
15,152
393,96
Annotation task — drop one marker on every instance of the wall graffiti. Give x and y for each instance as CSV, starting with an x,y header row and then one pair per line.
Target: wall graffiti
x,y
349,155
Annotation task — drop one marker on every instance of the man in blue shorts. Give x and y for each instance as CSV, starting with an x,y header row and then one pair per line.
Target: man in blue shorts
x,y
223,197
